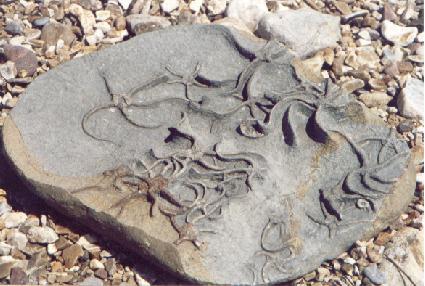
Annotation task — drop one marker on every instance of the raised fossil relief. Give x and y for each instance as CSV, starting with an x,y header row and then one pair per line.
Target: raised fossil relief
x,y
227,169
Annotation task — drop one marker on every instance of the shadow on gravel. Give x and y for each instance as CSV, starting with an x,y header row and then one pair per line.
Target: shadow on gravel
x,y
22,199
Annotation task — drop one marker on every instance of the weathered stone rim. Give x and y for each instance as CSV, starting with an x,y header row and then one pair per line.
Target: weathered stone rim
x,y
15,155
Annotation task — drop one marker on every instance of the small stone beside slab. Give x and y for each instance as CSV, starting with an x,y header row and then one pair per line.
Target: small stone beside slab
x,y
202,150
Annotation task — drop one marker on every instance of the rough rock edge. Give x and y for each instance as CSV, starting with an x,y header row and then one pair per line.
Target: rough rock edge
x,y
55,191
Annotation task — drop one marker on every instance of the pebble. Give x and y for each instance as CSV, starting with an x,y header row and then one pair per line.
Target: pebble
x,y
125,4
86,17
24,59
389,13
322,273
144,23
95,38
103,26
375,99
350,17
103,15
13,220
40,234
17,239
101,273
411,100
169,6
377,84
248,12
305,31
406,126
366,56
216,7
18,276
71,254
120,23
52,32
374,253
110,266
398,35
91,281
392,54
195,5
352,85
405,67
375,276
350,260
6,264
88,243
5,248
8,71
343,7
13,28
51,249
96,264
4,207
347,269
420,37
40,22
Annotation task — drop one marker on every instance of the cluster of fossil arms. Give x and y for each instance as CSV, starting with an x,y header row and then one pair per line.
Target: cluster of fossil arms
x,y
214,178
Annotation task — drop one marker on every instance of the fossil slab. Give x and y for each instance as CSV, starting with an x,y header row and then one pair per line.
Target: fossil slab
x,y
202,149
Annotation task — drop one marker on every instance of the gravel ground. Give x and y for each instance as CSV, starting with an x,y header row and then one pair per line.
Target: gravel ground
x,y
379,58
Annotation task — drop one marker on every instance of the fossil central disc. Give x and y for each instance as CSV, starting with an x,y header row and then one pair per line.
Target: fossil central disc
x,y
202,149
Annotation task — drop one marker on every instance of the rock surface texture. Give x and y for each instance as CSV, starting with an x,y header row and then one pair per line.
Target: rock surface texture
x,y
225,169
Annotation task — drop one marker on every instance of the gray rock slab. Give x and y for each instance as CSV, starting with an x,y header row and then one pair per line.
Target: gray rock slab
x,y
202,150
305,30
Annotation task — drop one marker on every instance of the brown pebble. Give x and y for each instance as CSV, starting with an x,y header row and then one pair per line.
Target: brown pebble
x,y
62,243
53,31
101,273
56,266
120,23
24,59
337,66
71,255
370,21
347,269
373,253
18,254
383,238
18,276
392,70
64,278
389,13
405,67
110,266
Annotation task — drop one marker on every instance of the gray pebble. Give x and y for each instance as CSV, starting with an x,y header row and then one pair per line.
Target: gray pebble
x,y
40,22
13,28
374,274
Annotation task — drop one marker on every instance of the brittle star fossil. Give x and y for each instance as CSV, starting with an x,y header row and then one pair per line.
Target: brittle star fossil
x,y
187,80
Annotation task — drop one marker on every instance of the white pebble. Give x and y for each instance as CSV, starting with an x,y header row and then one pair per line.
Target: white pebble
x,y
43,220
51,249
96,264
40,234
420,178
169,5
195,5
13,220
